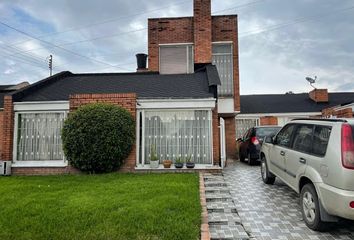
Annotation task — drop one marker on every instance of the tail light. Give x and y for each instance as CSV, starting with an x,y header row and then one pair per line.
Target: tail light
x,y
347,147
254,140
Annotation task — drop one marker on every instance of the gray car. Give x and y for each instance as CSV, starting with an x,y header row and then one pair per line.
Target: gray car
x,y
315,157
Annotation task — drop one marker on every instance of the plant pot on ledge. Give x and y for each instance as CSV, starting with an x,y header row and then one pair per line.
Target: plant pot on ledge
x,y
167,163
190,164
178,164
154,163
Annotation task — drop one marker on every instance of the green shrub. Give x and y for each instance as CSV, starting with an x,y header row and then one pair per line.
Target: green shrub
x,y
98,137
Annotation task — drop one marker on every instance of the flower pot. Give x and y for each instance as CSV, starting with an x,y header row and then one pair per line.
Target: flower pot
x,y
167,163
190,164
179,165
154,164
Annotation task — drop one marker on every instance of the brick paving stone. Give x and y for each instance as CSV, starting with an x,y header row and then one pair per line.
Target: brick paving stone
x,y
272,212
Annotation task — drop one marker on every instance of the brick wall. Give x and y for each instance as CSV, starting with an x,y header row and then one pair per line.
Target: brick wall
x,y
225,28
343,113
124,100
167,30
319,95
7,129
1,132
230,137
216,137
269,120
202,31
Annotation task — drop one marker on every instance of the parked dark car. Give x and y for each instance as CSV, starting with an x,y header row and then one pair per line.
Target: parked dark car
x,y
250,143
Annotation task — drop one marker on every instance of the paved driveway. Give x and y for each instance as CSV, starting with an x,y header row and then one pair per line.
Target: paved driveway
x,y
272,211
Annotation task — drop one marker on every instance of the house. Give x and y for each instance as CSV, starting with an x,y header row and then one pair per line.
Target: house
x,y
278,109
184,44
6,89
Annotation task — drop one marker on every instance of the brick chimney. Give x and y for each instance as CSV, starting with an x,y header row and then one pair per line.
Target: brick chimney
x,y
319,95
202,31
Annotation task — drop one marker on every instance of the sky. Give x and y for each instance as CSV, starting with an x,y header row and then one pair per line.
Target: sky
x,y
280,41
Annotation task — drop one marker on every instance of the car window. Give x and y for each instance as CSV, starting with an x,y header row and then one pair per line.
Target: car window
x,y
303,138
248,134
284,136
266,131
320,140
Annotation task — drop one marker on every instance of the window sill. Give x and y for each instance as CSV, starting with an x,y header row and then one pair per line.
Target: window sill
x,y
40,163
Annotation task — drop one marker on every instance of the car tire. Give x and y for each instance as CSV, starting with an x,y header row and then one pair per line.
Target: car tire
x,y
251,161
310,208
267,176
242,158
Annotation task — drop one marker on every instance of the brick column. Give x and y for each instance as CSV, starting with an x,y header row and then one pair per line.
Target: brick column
x,y
230,135
216,136
202,31
8,129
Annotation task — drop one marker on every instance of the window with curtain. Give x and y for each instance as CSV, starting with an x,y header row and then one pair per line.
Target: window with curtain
x,y
39,136
222,59
175,59
178,134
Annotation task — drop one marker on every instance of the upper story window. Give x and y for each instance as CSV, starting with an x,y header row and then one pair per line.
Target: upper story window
x,y
176,59
222,59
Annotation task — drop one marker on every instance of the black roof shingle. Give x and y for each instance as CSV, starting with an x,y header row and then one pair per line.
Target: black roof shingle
x,y
145,85
290,103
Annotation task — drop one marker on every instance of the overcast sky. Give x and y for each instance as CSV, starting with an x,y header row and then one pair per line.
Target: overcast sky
x,y
280,41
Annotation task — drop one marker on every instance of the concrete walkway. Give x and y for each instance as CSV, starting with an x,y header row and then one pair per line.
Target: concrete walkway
x,y
224,221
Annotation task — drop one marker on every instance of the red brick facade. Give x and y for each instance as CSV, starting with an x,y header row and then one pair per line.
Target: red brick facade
x,y
1,132
202,31
269,120
319,95
343,113
7,131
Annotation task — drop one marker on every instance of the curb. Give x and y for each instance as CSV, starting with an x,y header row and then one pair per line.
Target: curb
x,y
204,228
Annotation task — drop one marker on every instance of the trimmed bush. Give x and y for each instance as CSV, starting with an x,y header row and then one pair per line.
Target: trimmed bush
x,y
98,137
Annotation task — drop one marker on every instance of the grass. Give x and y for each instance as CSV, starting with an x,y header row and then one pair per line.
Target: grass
x,y
108,206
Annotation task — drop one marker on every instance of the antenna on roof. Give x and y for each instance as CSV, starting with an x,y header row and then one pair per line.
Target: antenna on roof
x,y
311,81
50,64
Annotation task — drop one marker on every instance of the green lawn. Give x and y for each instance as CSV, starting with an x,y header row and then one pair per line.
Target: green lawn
x,y
109,206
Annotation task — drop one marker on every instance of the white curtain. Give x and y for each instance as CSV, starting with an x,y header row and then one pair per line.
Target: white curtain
x,y
39,136
178,134
222,59
175,59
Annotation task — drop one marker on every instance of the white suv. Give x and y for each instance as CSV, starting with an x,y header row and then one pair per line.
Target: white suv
x,y
315,157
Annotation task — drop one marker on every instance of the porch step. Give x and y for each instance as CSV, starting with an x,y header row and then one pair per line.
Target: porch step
x,y
213,178
226,207
215,184
215,188
218,195
217,217
227,232
216,191
212,174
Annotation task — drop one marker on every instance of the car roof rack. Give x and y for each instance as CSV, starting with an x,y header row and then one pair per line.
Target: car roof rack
x,y
321,119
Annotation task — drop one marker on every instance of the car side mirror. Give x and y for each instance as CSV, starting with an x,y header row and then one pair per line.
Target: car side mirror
x,y
270,139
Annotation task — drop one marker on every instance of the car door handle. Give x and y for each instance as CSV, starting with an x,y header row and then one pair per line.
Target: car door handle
x,y
302,160
282,153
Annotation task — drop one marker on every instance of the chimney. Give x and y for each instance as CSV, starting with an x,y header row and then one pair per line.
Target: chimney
x,y
141,62
202,31
319,95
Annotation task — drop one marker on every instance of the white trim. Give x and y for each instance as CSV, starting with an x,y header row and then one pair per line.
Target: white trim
x,y
196,104
222,42
350,105
39,106
143,137
175,44
211,136
161,168
49,163
137,137
255,115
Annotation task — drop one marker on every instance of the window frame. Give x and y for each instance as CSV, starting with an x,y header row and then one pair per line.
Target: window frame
x,y
298,125
141,124
35,163
231,43
313,137
291,137
188,60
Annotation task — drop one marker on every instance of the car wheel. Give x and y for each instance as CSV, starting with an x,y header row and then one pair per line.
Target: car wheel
x,y
267,176
251,161
310,208
242,158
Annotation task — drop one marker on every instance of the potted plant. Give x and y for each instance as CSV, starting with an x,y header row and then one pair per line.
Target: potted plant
x,y
179,162
189,162
154,160
167,163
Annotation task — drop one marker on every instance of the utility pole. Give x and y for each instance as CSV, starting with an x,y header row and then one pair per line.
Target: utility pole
x,y
50,64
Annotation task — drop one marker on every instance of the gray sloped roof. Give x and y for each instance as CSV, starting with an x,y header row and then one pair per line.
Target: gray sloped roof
x,y
286,103
145,85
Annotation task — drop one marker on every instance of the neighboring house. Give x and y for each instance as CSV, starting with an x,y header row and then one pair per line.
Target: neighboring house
x,y
176,113
6,89
278,109
183,44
